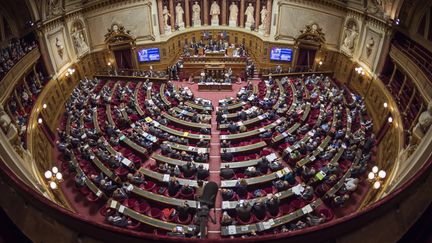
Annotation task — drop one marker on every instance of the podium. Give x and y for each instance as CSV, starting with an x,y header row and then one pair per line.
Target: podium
x,y
200,51
230,51
215,70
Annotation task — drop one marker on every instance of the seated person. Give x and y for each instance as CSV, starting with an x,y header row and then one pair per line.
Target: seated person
x,y
243,210
183,211
280,185
227,173
226,219
313,220
189,169
339,200
187,190
173,186
251,172
307,193
272,204
259,209
202,173
227,194
262,165
241,187
136,179
120,221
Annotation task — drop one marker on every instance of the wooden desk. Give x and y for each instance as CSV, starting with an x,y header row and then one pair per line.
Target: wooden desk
x,y
214,87
163,199
184,134
190,114
198,107
186,148
171,161
258,179
244,149
191,125
271,223
242,164
166,177
233,204
247,123
157,223
252,133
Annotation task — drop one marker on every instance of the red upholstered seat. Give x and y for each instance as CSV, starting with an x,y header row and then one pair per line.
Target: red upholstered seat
x,y
252,220
143,208
120,171
85,190
106,211
185,221
131,202
91,197
327,213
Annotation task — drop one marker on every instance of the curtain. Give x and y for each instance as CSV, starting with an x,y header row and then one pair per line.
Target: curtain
x,y
123,58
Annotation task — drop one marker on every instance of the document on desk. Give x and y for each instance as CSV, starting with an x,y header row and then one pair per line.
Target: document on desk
x,y
232,230
271,157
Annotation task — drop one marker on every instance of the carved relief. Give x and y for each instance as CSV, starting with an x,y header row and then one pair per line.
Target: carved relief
x,y
54,7
312,32
424,122
79,39
117,33
350,37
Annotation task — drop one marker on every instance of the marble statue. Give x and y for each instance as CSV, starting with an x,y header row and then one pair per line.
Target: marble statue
x,y
264,17
214,12
196,14
351,34
179,16
369,46
166,16
79,40
59,47
233,14
424,122
250,20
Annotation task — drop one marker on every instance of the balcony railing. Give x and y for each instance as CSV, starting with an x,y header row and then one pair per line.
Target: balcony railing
x,y
16,72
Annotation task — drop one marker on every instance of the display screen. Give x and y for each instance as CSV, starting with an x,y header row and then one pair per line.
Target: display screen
x,y
149,55
281,54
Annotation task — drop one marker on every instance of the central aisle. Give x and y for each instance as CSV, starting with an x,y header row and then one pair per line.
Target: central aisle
x,y
215,159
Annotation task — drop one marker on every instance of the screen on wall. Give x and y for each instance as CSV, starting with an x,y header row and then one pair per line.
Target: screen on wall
x,y
149,55
281,54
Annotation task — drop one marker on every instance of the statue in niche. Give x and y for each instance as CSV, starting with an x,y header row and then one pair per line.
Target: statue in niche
x,y
250,20
263,13
214,12
369,46
179,15
166,15
233,14
196,14
382,8
351,34
59,47
6,124
79,39
54,7
424,122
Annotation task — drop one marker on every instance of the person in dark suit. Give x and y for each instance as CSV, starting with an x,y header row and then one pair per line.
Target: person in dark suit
x,y
233,128
241,188
259,210
227,194
244,211
263,165
183,211
173,186
272,205
227,156
189,169
227,173
202,173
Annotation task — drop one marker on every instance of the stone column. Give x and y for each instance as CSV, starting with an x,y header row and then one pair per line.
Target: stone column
x,y
257,14
171,11
49,67
205,10
242,13
187,13
161,25
269,16
224,12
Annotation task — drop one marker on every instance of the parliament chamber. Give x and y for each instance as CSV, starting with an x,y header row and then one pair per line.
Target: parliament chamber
x,y
222,120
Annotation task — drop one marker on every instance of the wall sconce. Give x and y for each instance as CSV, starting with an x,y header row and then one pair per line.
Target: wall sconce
x,y
390,119
320,63
360,70
109,64
70,71
376,177
40,120
385,105
54,178
44,106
